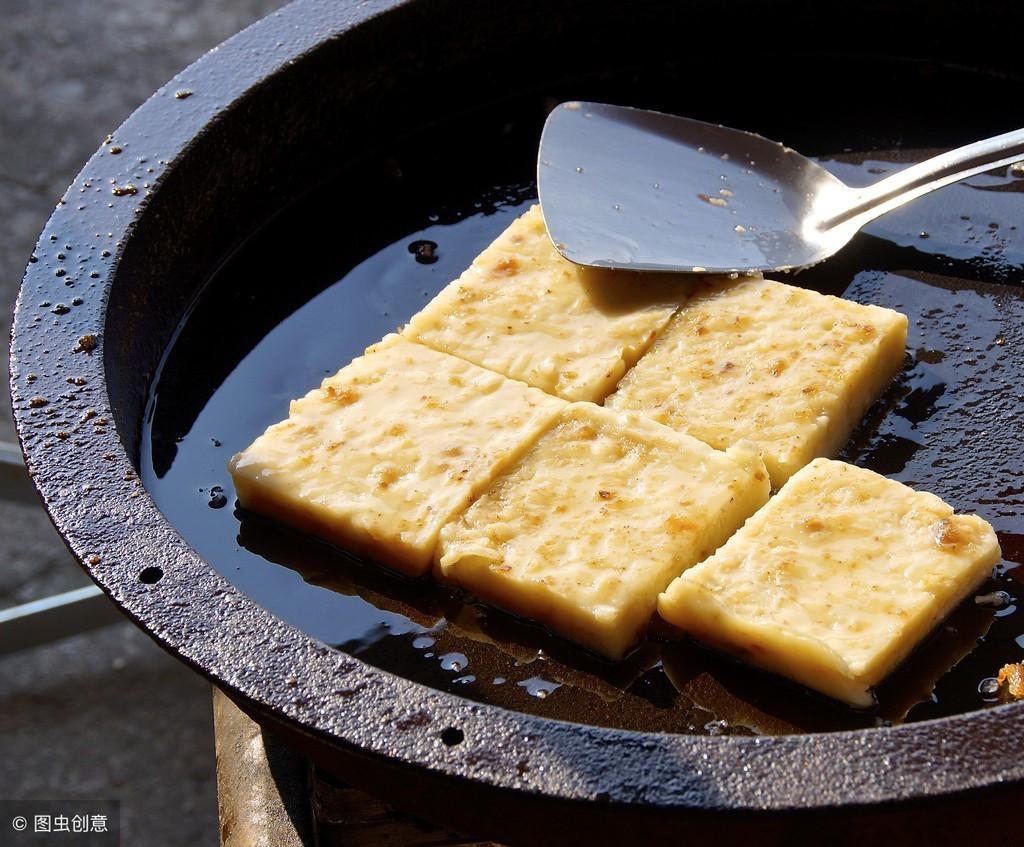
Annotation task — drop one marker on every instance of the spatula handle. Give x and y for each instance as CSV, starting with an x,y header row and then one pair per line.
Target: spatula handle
x,y
867,203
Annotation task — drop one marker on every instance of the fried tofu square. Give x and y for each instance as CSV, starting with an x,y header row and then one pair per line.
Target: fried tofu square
x,y
790,369
586,529
386,451
524,311
836,580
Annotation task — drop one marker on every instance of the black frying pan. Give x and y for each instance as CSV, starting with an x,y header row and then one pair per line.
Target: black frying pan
x,y
342,135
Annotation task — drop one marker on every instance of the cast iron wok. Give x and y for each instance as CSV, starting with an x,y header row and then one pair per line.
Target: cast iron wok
x,y
267,117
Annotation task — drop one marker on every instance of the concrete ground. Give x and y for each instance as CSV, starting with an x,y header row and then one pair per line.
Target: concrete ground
x,y
105,716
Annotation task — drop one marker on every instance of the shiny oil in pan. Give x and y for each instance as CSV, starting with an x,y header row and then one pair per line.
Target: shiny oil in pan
x,y
318,284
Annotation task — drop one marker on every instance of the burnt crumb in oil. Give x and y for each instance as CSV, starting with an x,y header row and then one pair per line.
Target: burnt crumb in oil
x,y
994,600
424,251
217,498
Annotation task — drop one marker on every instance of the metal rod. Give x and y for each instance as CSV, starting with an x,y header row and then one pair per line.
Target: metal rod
x,y
52,618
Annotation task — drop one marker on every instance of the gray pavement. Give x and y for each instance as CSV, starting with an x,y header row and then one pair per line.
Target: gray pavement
x,y
105,715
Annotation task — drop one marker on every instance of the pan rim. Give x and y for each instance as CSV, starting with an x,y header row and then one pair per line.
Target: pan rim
x,y
117,531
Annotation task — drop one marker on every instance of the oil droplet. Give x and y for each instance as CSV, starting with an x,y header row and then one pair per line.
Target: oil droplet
x,y
86,344
124,190
422,642
424,251
988,688
539,687
454,662
579,170
217,499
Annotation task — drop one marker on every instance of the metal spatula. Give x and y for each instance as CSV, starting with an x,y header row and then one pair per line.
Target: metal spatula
x,y
638,190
